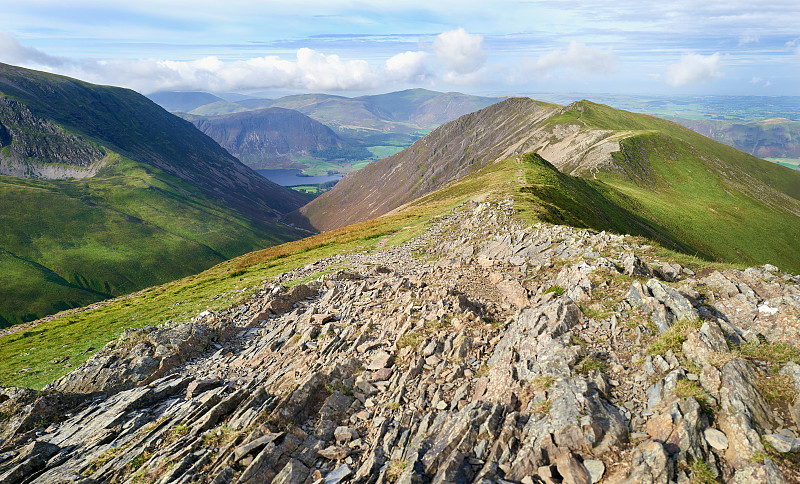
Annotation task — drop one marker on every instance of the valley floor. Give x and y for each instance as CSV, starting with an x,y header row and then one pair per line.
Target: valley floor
x,y
480,351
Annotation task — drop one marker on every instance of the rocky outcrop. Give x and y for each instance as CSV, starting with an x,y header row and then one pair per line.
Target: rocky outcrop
x,y
505,354
33,147
756,301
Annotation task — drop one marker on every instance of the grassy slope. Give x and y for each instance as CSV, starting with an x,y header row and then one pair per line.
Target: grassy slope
x,y
128,123
129,227
767,138
528,179
183,205
717,212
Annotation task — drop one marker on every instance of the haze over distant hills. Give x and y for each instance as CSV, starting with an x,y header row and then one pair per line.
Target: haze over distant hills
x,y
369,127
774,139
182,101
110,193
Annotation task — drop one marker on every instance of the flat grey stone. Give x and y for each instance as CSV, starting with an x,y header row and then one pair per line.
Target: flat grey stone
x,y
596,469
716,439
783,443
338,475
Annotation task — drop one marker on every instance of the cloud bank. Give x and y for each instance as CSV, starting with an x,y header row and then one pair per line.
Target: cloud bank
x,y
455,56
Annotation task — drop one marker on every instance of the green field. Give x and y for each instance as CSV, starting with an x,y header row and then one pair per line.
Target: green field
x,y
129,227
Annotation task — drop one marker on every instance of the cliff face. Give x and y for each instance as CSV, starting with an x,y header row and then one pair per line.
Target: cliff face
x,y
481,351
33,147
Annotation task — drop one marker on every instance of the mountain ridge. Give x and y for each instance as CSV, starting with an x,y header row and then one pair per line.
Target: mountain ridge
x,y
574,357
632,157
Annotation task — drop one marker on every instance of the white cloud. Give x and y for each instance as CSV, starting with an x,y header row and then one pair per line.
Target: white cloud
x,y
578,56
694,68
409,66
459,51
311,70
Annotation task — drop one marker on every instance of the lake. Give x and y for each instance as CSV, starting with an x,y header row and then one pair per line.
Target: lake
x,y
290,177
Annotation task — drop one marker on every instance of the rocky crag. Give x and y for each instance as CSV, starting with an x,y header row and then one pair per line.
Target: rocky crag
x,y
481,351
33,147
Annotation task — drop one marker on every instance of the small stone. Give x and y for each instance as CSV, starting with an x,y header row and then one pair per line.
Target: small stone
x,y
382,374
442,405
596,469
380,360
334,452
344,434
338,475
782,443
716,439
572,470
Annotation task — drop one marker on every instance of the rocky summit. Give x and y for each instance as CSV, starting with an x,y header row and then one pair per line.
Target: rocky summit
x,y
484,350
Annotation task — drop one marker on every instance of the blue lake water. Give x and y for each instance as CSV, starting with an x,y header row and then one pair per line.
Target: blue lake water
x,y
289,177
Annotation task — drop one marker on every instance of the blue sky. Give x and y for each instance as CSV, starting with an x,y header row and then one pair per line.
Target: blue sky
x,y
501,47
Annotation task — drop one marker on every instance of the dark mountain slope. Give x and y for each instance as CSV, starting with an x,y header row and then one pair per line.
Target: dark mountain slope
x,y
134,126
448,153
272,137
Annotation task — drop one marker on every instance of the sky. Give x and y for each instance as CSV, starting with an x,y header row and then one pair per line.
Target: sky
x,y
670,48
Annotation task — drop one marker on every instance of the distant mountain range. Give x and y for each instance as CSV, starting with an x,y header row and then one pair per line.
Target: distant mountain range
x,y
183,101
110,193
369,127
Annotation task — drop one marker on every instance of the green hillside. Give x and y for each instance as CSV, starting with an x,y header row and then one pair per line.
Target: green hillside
x,y
129,227
720,202
112,194
540,192
773,139
687,190
692,198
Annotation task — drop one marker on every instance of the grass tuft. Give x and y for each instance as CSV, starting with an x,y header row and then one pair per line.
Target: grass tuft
x,y
395,469
673,338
